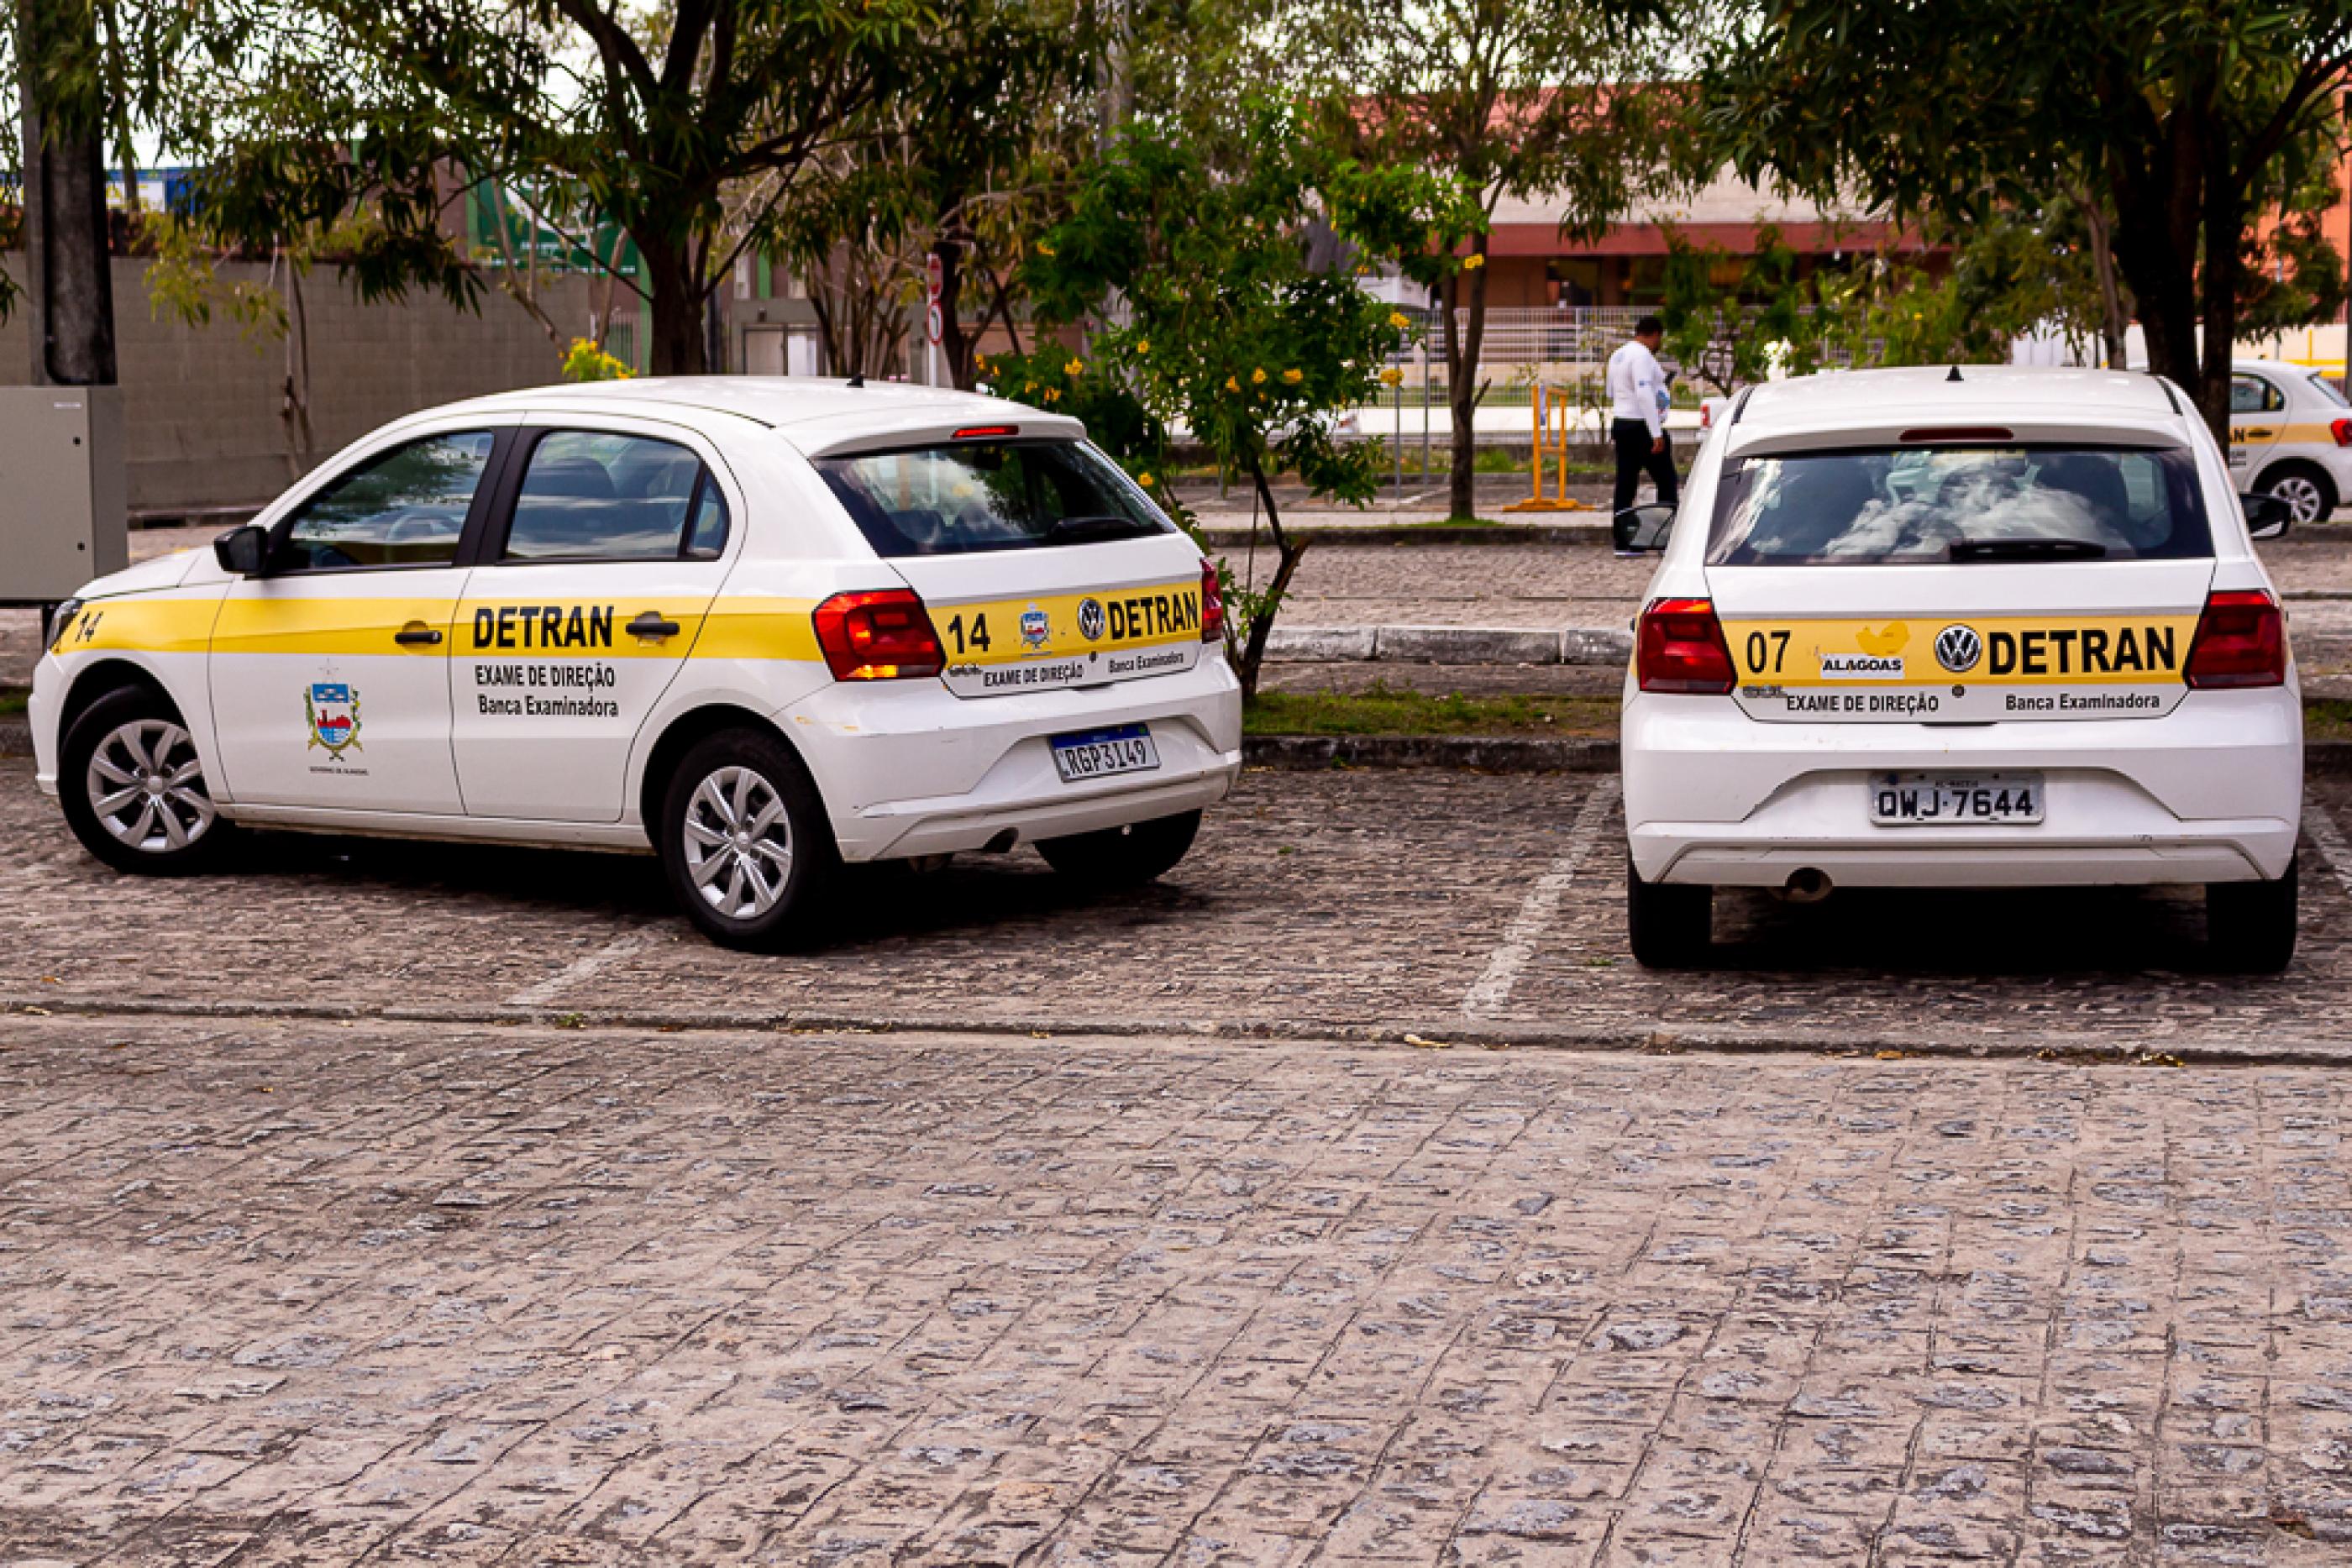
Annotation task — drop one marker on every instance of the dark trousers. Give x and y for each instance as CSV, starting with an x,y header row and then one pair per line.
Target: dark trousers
x,y
1633,455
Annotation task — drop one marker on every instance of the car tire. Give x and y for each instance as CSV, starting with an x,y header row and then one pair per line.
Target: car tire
x,y
2249,926
133,788
746,844
1127,856
1670,925
2305,488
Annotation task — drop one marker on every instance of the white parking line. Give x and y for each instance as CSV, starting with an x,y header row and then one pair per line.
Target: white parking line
x,y
1535,912
579,969
2330,840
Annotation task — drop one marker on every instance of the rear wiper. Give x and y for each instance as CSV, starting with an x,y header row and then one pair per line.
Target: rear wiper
x,y
2027,549
1070,531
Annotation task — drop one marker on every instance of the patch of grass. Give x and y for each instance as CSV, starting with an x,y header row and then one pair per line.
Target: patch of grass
x,y
1381,710
2327,718
12,704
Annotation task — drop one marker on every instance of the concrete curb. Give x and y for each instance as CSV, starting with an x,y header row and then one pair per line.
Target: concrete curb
x,y
1478,753
1640,1036
1591,645
1228,536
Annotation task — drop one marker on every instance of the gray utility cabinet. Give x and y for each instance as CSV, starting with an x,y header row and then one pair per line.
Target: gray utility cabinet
x,y
61,491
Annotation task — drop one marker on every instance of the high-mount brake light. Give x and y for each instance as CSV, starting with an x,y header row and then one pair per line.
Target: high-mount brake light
x,y
1212,603
1951,433
2240,642
986,431
1681,649
884,635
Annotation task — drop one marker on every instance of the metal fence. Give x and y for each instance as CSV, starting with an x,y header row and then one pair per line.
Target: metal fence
x,y
1566,348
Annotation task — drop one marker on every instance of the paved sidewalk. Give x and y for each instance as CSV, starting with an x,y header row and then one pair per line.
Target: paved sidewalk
x,y
289,1293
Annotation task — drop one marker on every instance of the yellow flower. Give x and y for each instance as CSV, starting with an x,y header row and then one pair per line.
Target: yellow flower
x,y
1473,262
1029,387
1052,394
1045,249
1231,385
1144,480
1257,376
1293,377
1392,377
1074,367
1399,320
1143,345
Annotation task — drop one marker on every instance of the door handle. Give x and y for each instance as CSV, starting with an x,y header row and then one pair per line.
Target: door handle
x,y
651,624
416,636
2259,435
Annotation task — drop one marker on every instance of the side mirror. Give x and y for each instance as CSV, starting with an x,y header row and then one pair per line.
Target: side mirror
x,y
243,551
2267,516
1642,531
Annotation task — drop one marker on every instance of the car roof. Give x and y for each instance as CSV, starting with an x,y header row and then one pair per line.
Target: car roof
x,y
815,415
1879,404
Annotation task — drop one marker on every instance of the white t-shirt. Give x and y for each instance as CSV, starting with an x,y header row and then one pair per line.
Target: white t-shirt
x,y
1637,386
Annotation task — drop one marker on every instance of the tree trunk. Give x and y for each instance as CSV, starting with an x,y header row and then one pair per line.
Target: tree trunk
x,y
954,346
2225,223
677,341
1287,554
1464,296
2113,323
68,278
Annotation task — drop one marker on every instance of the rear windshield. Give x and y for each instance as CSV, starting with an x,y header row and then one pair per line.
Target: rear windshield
x,y
1958,504
973,495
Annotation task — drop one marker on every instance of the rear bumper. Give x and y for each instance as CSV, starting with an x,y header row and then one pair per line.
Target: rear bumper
x,y
2212,792
916,770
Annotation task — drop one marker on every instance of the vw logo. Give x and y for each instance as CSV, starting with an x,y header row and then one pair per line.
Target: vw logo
x,y
1091,618
1958,649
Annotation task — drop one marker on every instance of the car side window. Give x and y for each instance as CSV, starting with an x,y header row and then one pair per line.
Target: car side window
x,y
591,495
404,508
2252,394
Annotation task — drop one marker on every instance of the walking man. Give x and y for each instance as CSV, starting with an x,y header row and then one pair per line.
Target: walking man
x,y
1637,402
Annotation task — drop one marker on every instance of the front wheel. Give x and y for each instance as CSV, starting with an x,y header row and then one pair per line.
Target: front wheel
x,y
1671,924
133,788
2249,926
1128,856
745,842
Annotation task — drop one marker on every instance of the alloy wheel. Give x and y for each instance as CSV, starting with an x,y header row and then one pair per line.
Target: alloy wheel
x,y
146,786
739,843
2301,494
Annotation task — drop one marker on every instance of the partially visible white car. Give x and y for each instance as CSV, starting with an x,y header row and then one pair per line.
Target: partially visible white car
x,y
2291,436
1986,628
761,627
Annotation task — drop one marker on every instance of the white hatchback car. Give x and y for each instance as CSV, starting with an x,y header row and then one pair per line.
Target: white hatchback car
x,y
1976,628
2291,436
763,627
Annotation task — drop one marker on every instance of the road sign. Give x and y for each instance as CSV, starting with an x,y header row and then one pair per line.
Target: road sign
x,y
934,324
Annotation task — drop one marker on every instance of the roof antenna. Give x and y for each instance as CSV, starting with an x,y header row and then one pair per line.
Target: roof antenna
x,y
857,379
1955,375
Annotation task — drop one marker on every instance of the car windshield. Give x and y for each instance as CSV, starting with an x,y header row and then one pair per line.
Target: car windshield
x,y
970,496
1958,504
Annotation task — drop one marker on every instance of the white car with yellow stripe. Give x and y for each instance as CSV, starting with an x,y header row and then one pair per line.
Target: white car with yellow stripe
x,y
2291,436
1985,628
763,627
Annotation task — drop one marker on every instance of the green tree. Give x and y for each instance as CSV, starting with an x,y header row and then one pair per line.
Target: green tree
x,y
647,118
1512,100
2180,118
1221,326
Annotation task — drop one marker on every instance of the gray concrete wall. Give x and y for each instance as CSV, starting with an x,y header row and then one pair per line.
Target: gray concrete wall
x,y
201,406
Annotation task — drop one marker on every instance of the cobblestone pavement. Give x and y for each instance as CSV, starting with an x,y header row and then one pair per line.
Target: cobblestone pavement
x,y
289,1293
1353,902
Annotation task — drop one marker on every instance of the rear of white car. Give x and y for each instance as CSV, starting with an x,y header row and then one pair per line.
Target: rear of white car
x,y
2004,630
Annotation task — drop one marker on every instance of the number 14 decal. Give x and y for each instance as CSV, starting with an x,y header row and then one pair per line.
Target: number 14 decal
x,y
979,635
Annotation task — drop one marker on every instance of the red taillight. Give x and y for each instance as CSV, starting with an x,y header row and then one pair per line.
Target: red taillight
x,y
2240,642
1212,603
881,637
1681,648
2342,430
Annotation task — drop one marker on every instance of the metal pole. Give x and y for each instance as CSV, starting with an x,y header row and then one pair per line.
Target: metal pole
x,y
1424,409
1400,440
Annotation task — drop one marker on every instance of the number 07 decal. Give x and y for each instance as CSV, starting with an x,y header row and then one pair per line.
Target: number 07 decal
x,y
1758,651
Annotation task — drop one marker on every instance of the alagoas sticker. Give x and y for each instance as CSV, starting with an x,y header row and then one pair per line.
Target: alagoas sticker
x,y
1970,669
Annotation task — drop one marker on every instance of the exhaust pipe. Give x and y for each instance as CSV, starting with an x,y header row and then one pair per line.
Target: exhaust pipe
x,y
1807,886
